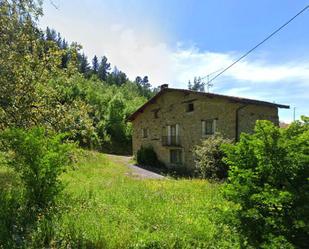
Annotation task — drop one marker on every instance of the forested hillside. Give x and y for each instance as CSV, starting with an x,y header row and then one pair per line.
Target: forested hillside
x,y
47,81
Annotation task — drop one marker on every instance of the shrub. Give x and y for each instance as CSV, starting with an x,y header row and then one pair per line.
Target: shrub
x,y
146,156
268,178
39,159
208,158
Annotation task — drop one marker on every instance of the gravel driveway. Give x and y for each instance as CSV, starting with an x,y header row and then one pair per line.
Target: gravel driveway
x,y
134,170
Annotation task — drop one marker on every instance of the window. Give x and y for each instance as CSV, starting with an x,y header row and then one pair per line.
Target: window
x,y
155,113
176,156
208,127
190,107
145,133
173,135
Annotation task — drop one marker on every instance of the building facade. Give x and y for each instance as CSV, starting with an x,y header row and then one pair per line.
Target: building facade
x,y
175,120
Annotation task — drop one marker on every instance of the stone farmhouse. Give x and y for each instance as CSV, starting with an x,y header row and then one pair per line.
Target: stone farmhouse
x,y
175,120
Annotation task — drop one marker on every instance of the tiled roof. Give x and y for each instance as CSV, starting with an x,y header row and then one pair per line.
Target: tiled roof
x,y
210,95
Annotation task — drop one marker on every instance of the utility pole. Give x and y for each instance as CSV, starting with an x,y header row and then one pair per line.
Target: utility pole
x,y
294,110
208,83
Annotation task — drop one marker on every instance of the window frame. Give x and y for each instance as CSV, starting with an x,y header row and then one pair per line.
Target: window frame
x,y
145,133
213,126
178,155
190,107
170,130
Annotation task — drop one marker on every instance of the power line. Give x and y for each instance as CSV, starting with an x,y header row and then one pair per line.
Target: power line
x,y
208,84
259,44
53,4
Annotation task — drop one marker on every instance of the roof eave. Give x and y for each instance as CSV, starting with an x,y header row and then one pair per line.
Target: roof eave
x,y
236,99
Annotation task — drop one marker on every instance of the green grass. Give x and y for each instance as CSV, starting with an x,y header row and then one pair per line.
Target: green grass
x,y
102,207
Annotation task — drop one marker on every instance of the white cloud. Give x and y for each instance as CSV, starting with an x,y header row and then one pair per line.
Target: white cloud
x,y
192,62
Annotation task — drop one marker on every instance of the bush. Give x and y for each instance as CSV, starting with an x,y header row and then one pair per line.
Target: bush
x,y
39,159
268,178
146,156
208,158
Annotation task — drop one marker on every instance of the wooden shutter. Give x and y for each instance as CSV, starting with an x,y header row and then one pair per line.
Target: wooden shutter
x,y
203,127
169,134
214,126
177,134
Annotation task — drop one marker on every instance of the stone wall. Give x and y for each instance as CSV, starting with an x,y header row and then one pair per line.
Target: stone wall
x,y
171,109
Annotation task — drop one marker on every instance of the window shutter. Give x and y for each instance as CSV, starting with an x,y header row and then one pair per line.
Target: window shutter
x,y
203,127
169,134
214,126
177,133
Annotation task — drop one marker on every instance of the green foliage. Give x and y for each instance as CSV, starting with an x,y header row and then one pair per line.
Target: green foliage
x,y
197,85
208,158
44,87
146,156
103,69
39,159
103,207
268,178
25,62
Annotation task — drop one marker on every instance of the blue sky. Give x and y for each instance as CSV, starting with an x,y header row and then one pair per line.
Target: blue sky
x,y
172,41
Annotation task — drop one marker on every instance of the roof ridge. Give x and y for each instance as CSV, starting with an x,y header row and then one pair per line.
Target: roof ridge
x,y
236,99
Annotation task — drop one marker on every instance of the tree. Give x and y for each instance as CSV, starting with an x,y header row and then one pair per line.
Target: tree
x,y
144,86
268,179
117,77
138,80
66,56
189,85
51,35
103,69
40,159
208,158
95,64
35,62
84,67
115,117
198,85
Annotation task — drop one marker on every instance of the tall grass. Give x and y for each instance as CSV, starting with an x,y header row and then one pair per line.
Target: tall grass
x,y
103,207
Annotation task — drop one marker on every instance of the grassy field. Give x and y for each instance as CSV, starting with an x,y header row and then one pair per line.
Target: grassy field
x,y
102,207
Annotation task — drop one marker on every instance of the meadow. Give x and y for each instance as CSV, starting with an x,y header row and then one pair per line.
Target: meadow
x,y
102,206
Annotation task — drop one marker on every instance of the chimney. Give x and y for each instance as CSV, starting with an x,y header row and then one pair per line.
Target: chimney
x,y
163,86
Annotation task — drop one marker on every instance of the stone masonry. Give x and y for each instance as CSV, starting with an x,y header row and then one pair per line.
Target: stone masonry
x,y
232,115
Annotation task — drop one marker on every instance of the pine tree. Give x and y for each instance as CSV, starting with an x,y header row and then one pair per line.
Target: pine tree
x,y
189,85
59,40
104,68
198,85
84,67
117,77
95,64
65,58
138,80
145,83
144,86
51,35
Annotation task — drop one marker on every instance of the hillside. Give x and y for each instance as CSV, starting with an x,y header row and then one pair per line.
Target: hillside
x,y
103,207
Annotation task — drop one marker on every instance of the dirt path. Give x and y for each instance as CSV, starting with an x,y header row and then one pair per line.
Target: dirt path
x,y
134,171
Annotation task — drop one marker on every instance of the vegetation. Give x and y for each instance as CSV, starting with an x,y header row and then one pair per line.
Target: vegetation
x,y
208,158
51,84
268,178
197,84
102,207
48,88
38,159
146,156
